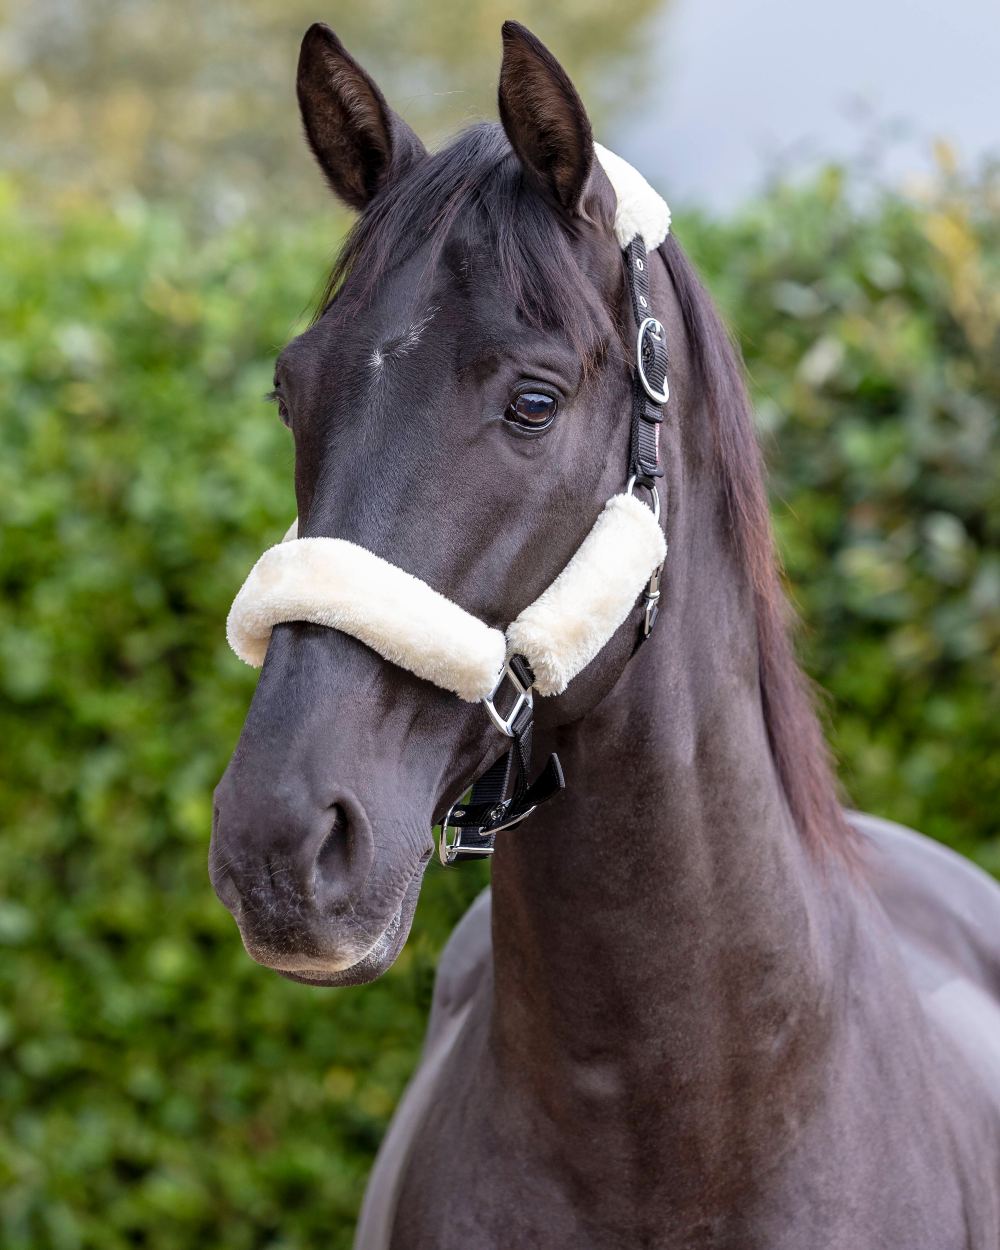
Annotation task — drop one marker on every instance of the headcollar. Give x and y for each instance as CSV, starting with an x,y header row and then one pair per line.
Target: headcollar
x,y
341,585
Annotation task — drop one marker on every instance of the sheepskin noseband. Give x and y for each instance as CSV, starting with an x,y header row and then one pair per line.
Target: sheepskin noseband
x,y
328,581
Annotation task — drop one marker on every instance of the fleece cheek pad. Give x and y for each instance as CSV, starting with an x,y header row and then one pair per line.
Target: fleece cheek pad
x,y
331,582
639,210
568,624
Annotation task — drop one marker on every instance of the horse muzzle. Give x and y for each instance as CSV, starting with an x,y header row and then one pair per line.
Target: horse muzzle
x,y
300,881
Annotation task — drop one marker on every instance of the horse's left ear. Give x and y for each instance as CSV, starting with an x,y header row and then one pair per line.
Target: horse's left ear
x,y
358,141
544,118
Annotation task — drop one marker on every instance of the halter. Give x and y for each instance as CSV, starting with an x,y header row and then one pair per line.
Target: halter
x,y
332,582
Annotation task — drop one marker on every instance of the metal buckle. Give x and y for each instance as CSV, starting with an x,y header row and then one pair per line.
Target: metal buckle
x,y
630,486
448,850
651,597
449,847
655,328
506,723
512,823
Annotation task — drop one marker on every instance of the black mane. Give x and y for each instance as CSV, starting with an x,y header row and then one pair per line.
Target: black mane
x,y
798,747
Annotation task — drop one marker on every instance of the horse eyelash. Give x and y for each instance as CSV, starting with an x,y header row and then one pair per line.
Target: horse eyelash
x,y
271,397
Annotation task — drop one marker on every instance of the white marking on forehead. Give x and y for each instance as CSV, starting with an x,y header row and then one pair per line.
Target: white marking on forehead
x,y
400,344
412,336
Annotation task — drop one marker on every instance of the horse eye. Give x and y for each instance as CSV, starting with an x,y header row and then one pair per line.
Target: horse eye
x,y
275,398
532,410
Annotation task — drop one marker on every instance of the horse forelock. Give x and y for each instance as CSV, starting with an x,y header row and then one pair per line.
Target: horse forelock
x,y
474,197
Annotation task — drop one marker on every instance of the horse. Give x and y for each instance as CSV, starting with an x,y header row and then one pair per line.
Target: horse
x,y
702,1005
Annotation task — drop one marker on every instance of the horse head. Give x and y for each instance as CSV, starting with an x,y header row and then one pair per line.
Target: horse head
x,y
461,408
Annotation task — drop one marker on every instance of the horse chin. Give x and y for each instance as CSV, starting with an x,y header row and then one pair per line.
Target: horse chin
x,y
382,955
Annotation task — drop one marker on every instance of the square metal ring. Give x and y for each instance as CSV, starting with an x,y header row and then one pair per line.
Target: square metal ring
x,y
506,723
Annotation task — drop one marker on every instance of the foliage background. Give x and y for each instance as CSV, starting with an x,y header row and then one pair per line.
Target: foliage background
x,y
195,99
157,1088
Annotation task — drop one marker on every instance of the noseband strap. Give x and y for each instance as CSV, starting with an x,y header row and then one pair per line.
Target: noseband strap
x,y
335,583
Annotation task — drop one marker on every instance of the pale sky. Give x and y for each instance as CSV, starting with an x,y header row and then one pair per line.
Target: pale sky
x,y
746,82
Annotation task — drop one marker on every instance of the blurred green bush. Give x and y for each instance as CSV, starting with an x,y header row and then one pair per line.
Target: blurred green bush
x,y
872,340
158,1089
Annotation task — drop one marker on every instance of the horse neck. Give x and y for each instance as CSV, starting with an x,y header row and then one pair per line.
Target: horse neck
x,y
662,938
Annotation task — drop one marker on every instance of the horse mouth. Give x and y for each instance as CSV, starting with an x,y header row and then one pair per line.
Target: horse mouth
x,y
383,952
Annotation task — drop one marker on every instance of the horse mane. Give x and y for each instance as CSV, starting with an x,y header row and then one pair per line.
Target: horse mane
x,y
798,746
478,176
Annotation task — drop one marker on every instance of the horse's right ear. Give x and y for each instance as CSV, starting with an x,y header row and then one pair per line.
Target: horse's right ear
x,y
359,142
544,118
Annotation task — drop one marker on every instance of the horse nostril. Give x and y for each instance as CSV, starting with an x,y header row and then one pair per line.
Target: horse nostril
x,y
226,891
333,856
218,870
343,858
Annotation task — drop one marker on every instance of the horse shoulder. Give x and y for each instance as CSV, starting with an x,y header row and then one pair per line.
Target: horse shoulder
x,y
946,913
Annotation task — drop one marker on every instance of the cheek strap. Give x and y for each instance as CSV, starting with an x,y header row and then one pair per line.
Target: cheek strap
x,y
335,583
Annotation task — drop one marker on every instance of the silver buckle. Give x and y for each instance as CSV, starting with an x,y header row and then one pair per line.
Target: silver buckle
x,y
449,847
651,597
656,329
506,723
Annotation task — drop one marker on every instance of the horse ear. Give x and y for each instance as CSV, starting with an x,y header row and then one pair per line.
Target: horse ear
x,y
359,142
544,117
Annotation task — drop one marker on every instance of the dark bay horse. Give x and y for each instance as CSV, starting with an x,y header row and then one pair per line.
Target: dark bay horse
x,y
704,1008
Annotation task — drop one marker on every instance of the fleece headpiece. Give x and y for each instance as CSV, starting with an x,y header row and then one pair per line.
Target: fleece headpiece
x,y
332,582
639,209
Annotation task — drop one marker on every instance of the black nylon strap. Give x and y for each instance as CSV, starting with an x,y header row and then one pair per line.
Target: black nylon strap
x,y
477,824
651,348
492,785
